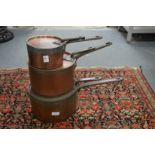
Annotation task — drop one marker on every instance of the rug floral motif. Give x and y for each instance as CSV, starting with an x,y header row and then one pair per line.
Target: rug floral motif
x,y
127,104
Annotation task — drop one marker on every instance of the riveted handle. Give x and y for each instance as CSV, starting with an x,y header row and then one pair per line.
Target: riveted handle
x,y
79,54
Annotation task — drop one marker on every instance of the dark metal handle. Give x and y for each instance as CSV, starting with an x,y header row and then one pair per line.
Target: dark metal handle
x,y
80,39
76,39
78,54
89,79
117,79
93,38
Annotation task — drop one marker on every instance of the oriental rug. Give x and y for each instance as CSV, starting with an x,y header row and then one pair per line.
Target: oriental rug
x,y
127,104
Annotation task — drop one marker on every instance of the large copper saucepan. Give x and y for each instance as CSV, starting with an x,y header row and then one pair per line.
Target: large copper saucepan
x,y
46,52
60,108
51,83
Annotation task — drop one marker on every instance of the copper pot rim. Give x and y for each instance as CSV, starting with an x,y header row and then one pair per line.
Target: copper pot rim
x,y
44,36
72,61
74,90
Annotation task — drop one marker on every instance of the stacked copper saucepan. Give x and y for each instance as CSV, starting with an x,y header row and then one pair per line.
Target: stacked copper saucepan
x,y
53,89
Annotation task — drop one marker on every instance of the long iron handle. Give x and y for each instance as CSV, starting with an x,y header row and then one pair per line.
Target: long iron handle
x,y
79,54
117,79
96,78
80,39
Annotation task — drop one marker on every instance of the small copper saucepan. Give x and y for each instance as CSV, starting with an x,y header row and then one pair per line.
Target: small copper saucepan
x,y
46,52
60,108
55,82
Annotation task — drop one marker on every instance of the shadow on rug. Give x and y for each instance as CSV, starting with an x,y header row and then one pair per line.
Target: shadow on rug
x,y
129,104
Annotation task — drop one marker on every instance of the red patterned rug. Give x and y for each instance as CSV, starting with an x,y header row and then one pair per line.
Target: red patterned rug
x,y
129,104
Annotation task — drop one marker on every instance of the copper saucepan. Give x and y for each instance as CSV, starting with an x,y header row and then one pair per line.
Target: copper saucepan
x,y
46,52
60,108
55,82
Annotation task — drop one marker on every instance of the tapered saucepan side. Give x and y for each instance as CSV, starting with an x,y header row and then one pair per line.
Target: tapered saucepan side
x,y
55,82
46,52
60,108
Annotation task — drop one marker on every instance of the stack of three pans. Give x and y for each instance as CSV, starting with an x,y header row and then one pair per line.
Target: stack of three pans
x,y
53,87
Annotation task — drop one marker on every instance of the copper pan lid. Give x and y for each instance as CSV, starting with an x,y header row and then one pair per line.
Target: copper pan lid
x,y
44,42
